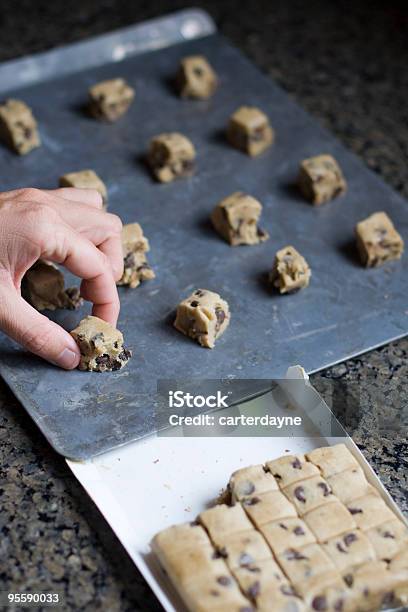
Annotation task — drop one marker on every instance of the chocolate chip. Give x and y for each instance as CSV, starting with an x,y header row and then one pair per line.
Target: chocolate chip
x,y
325,488
277,476
220,314
319,603
194,303
348,579
388,534
214,593
222,552
224,580
282,526
339,605
350,538
299,493
366,592
388,599
245,559
298,531
287,589
198,71
340,548
296,464
251,501
199,293
355,510
294,555
246,488
103,360
254,590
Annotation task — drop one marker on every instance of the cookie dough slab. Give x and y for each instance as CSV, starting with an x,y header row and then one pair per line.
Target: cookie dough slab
x,y
18,127
43,286
236,218
85,179
203,316
196,78
101,346
135,245
109,100
377,240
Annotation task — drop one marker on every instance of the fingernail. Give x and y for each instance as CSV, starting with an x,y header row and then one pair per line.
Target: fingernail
x,y
68,359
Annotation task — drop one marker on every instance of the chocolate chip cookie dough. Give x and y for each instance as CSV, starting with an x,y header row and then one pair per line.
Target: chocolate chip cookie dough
x,y
196,78
203,316
135,246
236,218
290,271
323,562
377,240
101,346
321,179
109,100
85,179
170,156
18,127
249,130
43,287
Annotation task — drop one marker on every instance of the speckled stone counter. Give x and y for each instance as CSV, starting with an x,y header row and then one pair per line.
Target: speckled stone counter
x,y
347,66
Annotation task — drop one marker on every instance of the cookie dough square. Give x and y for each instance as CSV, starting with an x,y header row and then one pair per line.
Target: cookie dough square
x,y
268,507
328,594
223,521
184,565
43,287
249,130
373,587
388,538
280,602
350,484
236,219
135,245
329,520
101,346
321,179
171,156
332,459
196,78
370,511
215,593
180,538
259,578
244,549
349,549
85,179
302,565
251,481
287,533
291,468
308,494
377,240
18,127
109,100
203,316
290,271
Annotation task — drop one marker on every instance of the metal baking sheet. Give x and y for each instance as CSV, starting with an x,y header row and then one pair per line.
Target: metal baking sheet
x,y
346,310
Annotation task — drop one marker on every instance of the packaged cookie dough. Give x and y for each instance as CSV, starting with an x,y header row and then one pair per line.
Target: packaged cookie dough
x,y
135,265
18,127
377,240
85,179
109,100
290,271
236,219
101,346
321,179
43,287
249,130
203,316
171,156
196,78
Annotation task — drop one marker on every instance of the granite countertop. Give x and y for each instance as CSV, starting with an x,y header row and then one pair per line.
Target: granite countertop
x,y
347,66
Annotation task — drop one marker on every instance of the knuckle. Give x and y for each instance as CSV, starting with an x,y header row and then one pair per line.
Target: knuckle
x,y
37,339
32,193
116,223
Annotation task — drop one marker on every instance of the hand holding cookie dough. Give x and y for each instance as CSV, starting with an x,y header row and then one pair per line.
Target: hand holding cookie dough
x,y
67,227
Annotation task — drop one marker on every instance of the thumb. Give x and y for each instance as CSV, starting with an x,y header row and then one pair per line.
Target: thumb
x,y
35,332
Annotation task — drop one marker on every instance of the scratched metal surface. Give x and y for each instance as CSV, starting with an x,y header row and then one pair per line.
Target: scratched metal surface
x,y
346,310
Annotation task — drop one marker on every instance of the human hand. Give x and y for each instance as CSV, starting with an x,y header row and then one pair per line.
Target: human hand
x,y
68,227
